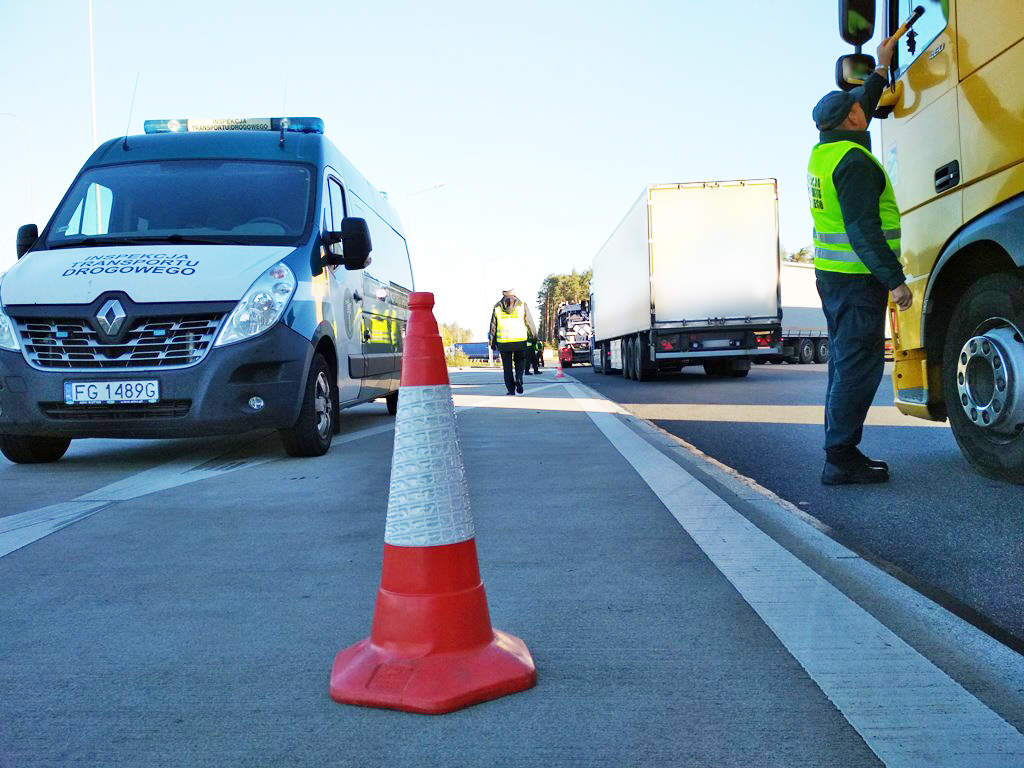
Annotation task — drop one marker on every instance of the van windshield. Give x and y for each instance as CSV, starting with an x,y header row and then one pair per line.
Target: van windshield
x,y
190,201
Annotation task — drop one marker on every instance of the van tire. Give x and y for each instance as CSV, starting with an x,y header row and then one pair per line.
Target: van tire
x,y
392,401
28,449
314,429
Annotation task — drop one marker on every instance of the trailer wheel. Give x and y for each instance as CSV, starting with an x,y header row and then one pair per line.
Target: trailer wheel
x,y
312,432
983,376
638,359
805,351
29,449
821,351
627,358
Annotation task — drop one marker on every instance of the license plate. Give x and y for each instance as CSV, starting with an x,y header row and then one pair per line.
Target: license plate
x,y
94,392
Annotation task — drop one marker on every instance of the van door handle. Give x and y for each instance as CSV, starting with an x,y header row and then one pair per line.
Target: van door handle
x,y
947,176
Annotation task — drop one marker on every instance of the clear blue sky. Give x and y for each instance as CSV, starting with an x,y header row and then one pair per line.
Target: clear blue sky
x,y
544,120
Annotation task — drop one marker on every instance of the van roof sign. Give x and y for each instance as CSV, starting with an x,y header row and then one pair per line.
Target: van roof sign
x,y
182,125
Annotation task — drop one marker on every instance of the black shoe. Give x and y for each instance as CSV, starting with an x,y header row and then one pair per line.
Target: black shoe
x,y
528,373
510,392
873,463
852,474
519,388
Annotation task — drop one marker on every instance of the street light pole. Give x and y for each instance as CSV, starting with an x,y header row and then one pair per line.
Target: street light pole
x,y
31,165
92,80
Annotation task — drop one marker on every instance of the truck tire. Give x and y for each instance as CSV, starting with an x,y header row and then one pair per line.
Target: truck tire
x,y
821,351
638,359
716,368
313,431
627,359
805,351
29,449
983,376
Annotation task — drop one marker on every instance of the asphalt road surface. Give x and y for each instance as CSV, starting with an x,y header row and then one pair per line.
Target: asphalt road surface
x,y
946,530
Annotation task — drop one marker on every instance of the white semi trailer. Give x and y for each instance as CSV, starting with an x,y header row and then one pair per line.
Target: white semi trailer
x,y
804,330
689,277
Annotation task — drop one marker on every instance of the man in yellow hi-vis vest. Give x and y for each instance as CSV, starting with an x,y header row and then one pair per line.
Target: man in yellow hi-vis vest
x,y
512,330
857,266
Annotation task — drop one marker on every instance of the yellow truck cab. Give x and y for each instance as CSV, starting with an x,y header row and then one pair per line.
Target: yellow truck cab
x,y
952,135
207,277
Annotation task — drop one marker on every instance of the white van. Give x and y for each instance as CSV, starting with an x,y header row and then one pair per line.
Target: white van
x,y
208,277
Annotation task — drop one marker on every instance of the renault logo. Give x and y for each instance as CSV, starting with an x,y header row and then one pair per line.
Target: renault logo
x,y
111,317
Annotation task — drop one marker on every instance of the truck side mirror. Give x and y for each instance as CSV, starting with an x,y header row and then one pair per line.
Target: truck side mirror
x,y
853,69
27,236
354,237
856,21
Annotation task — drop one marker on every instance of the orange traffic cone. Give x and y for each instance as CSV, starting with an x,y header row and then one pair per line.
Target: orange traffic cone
x,y
559,373
431,648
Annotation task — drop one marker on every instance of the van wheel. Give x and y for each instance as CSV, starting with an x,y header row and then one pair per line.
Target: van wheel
x,y
392,401
27,449
313,431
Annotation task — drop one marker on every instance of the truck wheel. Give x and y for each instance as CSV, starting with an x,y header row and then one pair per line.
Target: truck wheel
x,y
821,351
28,449
983,376
312,433
714,368
805,351
638,359
392,403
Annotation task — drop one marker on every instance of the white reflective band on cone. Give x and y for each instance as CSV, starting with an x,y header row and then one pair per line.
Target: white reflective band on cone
x,y
428,500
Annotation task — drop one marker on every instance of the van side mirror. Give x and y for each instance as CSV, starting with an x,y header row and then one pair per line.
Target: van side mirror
x,y
856,21
27,236
354,237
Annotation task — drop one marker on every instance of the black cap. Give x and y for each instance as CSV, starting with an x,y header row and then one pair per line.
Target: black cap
x,y
832,109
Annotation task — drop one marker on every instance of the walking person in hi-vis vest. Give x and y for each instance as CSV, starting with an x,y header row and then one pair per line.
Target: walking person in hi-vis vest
x,y
857,266
512,330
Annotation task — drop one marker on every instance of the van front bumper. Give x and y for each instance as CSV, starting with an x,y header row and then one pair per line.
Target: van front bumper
x,y
209,398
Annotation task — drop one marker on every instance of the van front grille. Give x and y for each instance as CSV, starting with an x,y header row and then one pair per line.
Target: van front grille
x,y
155,342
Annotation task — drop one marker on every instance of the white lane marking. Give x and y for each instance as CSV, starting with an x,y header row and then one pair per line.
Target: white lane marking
x,y
907,710
20,530
23,528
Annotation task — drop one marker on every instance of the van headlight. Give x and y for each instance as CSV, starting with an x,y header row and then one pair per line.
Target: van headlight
x,y
8,336
261,307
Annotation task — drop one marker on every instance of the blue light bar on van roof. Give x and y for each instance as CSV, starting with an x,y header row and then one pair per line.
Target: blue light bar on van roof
x,y
293,124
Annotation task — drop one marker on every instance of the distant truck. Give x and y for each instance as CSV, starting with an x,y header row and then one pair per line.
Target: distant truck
x,y
572,327
804,331
689,277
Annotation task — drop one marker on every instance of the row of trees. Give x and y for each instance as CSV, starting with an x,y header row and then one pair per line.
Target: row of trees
x,y
453,332
804,256
557,290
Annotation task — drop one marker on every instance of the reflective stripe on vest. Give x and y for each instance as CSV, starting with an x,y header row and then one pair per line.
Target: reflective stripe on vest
x,y
833,251
511,325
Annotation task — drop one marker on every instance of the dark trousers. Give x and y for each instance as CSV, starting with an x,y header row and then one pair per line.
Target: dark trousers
x,y
532,360
513,363
854,307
